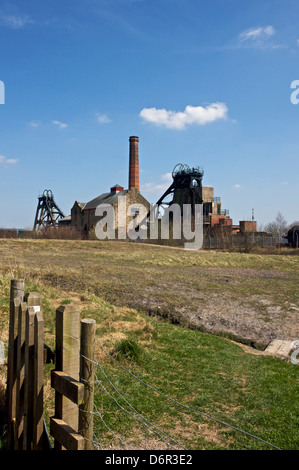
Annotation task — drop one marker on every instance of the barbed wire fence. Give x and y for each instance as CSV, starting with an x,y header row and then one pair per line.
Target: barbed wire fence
x,y
147,435
142,434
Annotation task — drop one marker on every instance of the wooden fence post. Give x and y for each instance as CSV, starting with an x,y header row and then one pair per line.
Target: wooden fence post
x,y
67,361
88,330
33,300
38,393
25,375
16,297
18,444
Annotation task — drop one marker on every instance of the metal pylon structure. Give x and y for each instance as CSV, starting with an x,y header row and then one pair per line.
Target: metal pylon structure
x,y
186,187
47,212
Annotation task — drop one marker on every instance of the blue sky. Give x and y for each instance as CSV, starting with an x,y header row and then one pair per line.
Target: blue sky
x,y
201,82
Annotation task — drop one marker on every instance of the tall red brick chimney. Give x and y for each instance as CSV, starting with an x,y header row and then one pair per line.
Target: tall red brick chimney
x,y
134,163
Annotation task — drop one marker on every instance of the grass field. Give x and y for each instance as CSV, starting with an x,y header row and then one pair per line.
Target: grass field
x,y
155,310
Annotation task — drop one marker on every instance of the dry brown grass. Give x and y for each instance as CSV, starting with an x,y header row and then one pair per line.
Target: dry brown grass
x,y
252,298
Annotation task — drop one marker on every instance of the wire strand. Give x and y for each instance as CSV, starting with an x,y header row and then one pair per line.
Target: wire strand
x,y
109,429
185,406
136,418
142,417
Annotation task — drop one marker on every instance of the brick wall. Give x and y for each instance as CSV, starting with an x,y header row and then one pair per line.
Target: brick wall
x,y
248,226
222,220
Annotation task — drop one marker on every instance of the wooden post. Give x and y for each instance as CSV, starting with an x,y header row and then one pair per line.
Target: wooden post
x,y
33,300
20,376
38,407
88,330
16,297
17,288
69,439
28,391
67,361
64,434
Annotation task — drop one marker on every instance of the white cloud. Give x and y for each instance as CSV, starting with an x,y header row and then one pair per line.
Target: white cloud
x,y
261,38
103,119
258,33
237,186
197,115
158,188
167,177
34,124
8,161
61,125
16,22
154,188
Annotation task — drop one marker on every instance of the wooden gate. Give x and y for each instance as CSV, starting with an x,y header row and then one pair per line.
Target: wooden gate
x,y
72,378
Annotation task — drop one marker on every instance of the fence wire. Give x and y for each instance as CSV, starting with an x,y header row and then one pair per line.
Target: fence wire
x,y
168,441
141,419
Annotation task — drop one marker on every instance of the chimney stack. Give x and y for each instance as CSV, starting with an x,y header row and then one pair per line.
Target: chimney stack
x,y
134,163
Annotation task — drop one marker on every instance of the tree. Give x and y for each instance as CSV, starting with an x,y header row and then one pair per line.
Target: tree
x,y
278,227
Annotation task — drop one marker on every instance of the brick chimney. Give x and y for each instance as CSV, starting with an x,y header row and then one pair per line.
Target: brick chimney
x,y
116,188
134,163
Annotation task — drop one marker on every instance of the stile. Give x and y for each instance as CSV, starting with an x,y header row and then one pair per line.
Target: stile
x,y
66,435
67,386
25,387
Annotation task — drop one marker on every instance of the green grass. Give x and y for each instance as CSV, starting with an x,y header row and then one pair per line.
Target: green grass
x,y
129,349
251,392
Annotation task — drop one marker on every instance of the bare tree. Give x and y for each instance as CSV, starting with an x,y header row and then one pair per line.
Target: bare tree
x,y
278,227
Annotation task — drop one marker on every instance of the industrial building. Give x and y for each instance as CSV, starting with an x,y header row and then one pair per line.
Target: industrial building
x,y
185,188
83,216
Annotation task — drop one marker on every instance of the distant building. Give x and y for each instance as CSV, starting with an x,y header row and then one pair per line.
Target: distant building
x,y
247,226
215,219
213,214
83,216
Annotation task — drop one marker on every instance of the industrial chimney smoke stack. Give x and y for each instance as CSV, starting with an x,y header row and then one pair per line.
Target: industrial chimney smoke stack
x,y
134,163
